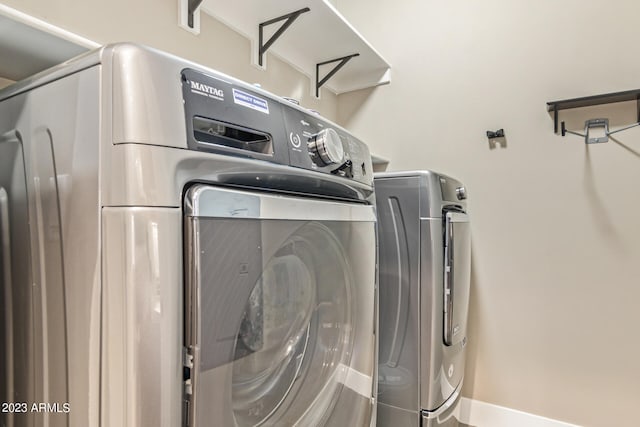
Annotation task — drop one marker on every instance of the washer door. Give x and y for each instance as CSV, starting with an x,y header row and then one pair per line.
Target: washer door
x,y
280,303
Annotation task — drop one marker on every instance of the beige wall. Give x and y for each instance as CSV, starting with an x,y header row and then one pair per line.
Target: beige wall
x,y
155,23
556,232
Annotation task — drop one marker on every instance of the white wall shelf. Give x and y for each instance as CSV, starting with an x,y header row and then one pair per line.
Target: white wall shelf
x,y
29,45
317,36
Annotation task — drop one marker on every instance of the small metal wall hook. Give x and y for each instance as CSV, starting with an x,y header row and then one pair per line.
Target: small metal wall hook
x,y
497,134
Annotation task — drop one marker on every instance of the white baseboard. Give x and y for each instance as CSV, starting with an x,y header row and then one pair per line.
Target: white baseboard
x,y
482,414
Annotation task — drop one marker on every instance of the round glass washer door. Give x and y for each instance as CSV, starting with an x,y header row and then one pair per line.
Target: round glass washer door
x,y
295,332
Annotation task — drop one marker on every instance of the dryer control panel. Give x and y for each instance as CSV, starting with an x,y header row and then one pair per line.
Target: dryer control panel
x,y
228,117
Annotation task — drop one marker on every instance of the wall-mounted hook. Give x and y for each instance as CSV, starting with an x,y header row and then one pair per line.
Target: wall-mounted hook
x,y
497,134
496,139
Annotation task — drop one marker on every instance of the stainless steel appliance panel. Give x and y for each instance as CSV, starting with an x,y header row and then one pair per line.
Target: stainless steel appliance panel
x,y
17,377
400,293
54,133
141,317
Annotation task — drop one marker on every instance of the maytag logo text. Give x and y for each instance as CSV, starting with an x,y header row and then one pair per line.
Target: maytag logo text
x,y
206,89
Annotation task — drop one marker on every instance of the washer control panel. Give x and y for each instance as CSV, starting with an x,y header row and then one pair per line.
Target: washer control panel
x,y
316,144
230,118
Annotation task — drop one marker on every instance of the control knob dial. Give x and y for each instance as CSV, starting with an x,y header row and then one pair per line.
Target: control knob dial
x,y
327,145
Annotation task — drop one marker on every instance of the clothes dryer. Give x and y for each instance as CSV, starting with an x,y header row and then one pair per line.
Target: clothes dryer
x,y
181,248
424,272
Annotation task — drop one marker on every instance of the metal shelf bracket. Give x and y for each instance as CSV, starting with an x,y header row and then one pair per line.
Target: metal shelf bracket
x,y
341,63
189,15
193,5
288,18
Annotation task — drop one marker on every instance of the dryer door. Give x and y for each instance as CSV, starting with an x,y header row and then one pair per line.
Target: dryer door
x,y
279,305
457,276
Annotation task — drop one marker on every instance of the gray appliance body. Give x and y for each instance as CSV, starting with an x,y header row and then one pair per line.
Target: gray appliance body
x,y
172,253
424,257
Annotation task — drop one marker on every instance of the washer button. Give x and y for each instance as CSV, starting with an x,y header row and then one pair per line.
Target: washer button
x,y
295,139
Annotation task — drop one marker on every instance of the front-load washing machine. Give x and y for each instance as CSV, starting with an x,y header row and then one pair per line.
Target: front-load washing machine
x,y
424,240
181,248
